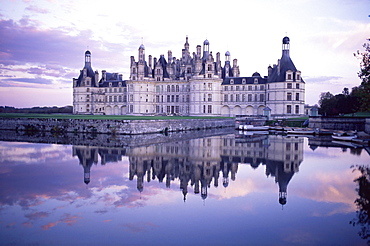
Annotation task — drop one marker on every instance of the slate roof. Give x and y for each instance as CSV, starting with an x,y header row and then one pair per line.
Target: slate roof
x,y
278,72
239,80
114,83
90,73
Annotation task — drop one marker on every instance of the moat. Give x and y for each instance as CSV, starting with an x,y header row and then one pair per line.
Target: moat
x,y
198,188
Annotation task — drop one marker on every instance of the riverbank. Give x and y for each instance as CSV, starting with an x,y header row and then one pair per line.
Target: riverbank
x,y
60,125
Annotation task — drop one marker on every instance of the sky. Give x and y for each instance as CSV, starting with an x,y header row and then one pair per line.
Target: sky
x,y
42,42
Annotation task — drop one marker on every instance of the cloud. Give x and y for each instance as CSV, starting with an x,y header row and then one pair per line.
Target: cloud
x,y
36,9
66,218
139,226
37,215
322,79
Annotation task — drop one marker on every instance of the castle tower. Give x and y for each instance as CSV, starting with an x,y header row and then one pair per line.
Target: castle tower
x,y
141,63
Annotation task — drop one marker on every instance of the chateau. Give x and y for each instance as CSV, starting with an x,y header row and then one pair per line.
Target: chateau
x,y
196,84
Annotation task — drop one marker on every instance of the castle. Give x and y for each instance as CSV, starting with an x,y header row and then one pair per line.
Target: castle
x,y
194,85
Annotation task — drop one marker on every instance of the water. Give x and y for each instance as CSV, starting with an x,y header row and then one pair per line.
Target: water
x,y
216,190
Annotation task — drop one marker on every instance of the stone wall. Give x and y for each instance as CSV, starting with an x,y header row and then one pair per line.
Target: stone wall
x,y
109,140
340,123
129,127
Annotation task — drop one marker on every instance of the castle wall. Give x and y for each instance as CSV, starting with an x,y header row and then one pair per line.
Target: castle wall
x,y
340,123
129,127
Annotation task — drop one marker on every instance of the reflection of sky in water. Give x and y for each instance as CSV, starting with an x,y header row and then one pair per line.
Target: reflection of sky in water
x,y
44,200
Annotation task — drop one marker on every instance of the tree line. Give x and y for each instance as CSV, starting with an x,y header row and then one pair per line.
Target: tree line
x,y
38,110
356,100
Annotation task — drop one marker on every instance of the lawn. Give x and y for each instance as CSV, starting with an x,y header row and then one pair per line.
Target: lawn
x,y
102,117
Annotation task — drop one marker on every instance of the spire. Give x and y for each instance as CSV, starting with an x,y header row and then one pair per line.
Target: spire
x,y
186,45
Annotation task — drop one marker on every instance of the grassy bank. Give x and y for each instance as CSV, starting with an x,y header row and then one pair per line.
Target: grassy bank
x,y
102,117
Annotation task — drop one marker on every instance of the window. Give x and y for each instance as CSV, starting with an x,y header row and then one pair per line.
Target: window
x,y
209,67
225,98
226,88
262,97
209,75
110,98
298,77
173,98
297,109
289,109
237,87
289,77
243,82
157,88
249,87
177,98
288,146
249,97
289,85
297,96
297,86
204,109
289,96
168,88
262,87
131,108
237,97
209,97
231,81
209,86
243,98
210,109
173,88
168,98
231,98
177,88
115,98
120,98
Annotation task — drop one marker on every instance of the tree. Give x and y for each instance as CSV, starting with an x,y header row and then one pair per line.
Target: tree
x,y
364,75
363,202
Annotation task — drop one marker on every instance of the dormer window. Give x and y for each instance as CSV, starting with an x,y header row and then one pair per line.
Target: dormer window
x,y
289,75
110,84
255,80
231,81
243,81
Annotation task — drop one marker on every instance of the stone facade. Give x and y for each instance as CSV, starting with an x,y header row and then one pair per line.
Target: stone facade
x,y
195,85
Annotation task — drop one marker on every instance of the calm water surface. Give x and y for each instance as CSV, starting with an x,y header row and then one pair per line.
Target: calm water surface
x,y
218,190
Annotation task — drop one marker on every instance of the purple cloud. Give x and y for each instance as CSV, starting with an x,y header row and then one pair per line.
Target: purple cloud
x,y
24,43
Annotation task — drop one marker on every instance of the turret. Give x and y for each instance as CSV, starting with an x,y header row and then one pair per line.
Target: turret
x,y
286,46
87,58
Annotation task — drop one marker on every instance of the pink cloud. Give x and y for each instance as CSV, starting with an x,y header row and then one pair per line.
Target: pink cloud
x,y
66,218
36,9
139,226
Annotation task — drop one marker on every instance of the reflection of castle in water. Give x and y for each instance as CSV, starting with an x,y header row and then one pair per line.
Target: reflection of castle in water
x,y
200,162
